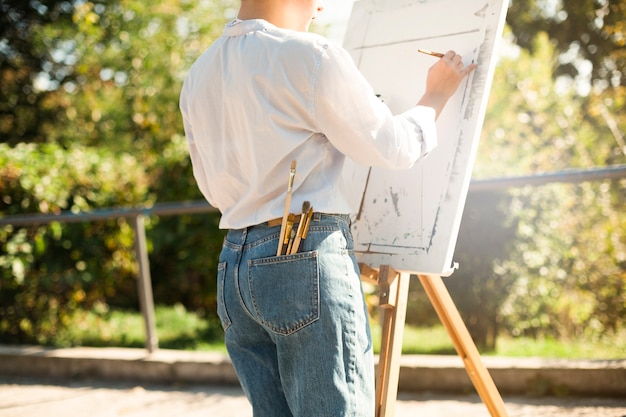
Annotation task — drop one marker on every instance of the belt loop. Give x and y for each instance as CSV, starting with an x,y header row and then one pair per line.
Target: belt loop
x,y
244,235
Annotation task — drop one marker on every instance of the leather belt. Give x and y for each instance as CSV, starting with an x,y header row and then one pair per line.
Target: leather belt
x,y
278,221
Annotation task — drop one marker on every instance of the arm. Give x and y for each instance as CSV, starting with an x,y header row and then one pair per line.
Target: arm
x,y
362,127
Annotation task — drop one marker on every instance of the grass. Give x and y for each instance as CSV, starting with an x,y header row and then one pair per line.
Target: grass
x,y
608,348
180,329
430,341
435,340
176,329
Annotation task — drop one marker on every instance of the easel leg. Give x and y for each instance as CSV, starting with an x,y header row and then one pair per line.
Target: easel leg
x,y
393,289
452,321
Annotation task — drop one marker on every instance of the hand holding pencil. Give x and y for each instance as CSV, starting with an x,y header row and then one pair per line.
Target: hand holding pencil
x,y
443,79
431,53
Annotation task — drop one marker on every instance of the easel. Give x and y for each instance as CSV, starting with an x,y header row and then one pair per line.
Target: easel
x,y
393,288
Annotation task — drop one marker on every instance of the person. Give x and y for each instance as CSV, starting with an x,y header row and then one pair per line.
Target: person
x,y
264,94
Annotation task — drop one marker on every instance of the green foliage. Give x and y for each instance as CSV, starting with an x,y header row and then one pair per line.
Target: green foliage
x,y
568,260
589,31
48,271
572,280
27,112
531,126
99,72
118,67
610,347
177,328
184,260
48,179
131,57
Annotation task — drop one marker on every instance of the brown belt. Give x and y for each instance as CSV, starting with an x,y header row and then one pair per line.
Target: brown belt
x,y
279,221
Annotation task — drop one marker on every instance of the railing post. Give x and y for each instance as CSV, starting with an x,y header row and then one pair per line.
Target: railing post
x,y
144,284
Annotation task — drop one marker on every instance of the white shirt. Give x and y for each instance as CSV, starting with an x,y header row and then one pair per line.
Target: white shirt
x,y
260,97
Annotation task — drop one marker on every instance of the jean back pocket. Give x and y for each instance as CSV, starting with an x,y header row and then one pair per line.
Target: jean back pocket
x,y
285,291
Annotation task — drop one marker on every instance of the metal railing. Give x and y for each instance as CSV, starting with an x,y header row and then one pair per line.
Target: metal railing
x,y
137,215
571,176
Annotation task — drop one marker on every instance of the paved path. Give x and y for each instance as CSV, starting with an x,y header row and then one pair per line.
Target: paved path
x,y
35,397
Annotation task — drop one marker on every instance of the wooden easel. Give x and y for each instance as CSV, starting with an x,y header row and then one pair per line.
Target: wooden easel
x,y
393,288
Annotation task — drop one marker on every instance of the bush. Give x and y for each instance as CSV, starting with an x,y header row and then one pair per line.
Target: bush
x,y
48,271
185,248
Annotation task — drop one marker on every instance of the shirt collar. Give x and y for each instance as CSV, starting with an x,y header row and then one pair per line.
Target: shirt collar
x,y
238,27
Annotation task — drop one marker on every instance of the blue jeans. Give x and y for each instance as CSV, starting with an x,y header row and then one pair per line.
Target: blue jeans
x,y
296,326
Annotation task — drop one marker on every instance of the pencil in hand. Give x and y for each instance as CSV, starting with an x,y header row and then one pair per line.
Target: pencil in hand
x,y
431,53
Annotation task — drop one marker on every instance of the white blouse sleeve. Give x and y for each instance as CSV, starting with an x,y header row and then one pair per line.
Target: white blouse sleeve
x,y
360,125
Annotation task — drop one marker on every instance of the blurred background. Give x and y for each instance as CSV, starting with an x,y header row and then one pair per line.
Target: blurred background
x,y
89,121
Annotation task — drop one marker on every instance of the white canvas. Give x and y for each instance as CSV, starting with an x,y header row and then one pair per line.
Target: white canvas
x,y
410,219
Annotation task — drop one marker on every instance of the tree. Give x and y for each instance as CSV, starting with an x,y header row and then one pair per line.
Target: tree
x,y
115,94
129,61
28,109
590,31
